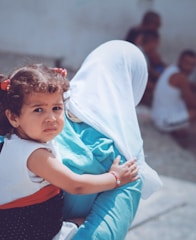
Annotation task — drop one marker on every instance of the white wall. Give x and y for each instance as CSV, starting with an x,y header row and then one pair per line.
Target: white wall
x,y
72,28
178,28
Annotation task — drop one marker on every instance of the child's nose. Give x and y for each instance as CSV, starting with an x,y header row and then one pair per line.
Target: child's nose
x,y
50,116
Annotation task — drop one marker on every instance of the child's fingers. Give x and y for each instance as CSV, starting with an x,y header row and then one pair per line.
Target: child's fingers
x,y
136,178
117,160
130,163
134,171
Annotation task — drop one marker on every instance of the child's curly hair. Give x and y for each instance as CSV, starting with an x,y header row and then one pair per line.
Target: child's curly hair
x,y
25,80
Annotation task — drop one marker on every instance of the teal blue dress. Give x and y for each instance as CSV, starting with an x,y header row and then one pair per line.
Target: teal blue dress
x,y
1,139
108,214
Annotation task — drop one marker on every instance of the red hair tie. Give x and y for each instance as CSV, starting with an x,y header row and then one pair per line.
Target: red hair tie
x,y
61,71
5,85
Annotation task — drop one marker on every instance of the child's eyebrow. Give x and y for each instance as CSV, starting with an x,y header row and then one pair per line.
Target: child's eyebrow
x,y
44,104
35,104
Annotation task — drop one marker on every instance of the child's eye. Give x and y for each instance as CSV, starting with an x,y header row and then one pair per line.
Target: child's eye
x,y
57,108
38,110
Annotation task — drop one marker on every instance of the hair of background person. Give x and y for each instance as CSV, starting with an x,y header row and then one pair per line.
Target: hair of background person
x,y
187,52
150,17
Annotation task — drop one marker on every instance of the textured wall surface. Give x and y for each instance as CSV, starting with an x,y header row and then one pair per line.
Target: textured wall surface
x,y
71,29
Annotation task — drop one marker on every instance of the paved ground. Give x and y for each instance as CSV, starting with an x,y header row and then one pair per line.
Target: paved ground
x,y
171,212
164,154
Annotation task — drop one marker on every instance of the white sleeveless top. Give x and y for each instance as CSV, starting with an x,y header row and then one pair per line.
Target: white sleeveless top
x,y
16,181
169,111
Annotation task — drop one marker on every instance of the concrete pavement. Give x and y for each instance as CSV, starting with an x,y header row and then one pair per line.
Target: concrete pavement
x,y
171,212
168,214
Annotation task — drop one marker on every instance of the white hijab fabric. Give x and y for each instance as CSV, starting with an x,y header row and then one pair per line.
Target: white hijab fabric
x,y
104,93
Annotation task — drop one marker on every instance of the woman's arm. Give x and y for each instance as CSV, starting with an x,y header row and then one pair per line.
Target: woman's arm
x,y
180,81
44,164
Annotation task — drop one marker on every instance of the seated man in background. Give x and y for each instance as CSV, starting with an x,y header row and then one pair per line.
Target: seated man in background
x,y
174,103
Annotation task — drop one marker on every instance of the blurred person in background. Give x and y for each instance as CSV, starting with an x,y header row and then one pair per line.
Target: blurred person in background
x,y
149,43
174,102
146,36
151,21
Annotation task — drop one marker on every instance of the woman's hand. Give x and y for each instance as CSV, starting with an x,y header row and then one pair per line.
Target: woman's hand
x,y
124,173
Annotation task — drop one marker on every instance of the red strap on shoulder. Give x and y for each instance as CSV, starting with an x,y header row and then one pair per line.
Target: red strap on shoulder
x,y
40,196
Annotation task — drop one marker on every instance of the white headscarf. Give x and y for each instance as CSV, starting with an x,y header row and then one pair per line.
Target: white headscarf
x,y
104,93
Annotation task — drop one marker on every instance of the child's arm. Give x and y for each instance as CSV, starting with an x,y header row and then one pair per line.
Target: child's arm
x,y
44,164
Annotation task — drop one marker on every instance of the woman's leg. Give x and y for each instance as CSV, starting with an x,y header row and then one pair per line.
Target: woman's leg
x,y
112,214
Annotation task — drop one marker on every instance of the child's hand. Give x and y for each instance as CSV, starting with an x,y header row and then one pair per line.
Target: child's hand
x,y
126,172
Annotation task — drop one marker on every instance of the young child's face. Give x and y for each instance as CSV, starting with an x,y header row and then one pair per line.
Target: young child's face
x,y
42,116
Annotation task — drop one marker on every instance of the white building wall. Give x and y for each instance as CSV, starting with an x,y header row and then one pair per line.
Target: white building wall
x,y
70,29
178,28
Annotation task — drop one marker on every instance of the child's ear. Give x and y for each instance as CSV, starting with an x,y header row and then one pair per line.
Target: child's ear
x,y
12,118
